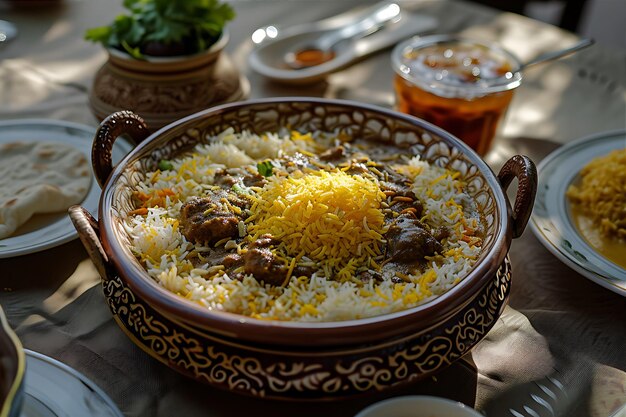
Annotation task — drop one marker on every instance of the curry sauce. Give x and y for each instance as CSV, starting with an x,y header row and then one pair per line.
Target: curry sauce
x,y
611,248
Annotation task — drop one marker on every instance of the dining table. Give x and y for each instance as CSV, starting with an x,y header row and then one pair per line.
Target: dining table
x,y
558,325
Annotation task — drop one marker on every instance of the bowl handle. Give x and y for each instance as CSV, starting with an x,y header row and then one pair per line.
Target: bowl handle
x,y
522,168
116,124
89,234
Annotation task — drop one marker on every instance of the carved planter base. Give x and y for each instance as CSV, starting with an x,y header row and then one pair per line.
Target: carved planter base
x,y
163,90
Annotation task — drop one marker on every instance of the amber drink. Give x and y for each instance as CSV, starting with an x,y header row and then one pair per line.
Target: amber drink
x,y
460,85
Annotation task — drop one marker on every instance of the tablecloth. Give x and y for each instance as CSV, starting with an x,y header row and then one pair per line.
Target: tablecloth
x,y
559,324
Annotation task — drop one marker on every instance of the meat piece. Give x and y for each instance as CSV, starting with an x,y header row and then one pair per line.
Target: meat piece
x,y
262,263
232,260
210,229
263,244
210,258
224,180
303,271
357,168
264,241
254,180
203,222
441,233
231,176
333,154
369,275
409,241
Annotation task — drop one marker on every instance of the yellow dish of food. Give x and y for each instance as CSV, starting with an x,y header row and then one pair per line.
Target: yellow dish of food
x,y
598,202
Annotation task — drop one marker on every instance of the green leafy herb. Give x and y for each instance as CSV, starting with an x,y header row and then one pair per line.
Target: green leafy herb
x,y
170,27
134,52
165,165
238,189
265,168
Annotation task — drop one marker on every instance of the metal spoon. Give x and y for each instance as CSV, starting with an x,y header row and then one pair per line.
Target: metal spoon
x,y
375,19
7,32
552,55
545,57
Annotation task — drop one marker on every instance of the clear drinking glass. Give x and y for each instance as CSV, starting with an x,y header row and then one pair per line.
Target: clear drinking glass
x,y
461,85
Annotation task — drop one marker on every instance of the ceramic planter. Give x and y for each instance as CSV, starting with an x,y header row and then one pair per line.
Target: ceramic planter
x,y
164,89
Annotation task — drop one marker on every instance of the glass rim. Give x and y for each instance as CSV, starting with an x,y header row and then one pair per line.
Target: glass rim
x,y
441,88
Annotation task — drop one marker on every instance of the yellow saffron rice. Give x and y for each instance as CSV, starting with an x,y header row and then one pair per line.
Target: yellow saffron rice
x,y
601,194
333,217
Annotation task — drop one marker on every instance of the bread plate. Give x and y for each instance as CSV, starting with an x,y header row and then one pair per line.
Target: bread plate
x,y
44,231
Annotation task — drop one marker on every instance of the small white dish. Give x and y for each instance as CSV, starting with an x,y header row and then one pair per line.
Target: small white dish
x,y
44,231
53,389
551,221
268,59
418,406
8,31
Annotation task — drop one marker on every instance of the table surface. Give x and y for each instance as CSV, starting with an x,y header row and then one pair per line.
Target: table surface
x,y
557,322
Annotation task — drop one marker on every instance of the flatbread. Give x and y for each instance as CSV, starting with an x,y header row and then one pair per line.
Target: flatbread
x,y
39,177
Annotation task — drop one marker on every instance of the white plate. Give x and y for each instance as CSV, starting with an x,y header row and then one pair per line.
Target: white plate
x,y
44,231
53,389
551,222
418,406
268,57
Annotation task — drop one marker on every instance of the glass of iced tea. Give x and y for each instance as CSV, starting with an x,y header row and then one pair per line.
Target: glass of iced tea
x,y
461,85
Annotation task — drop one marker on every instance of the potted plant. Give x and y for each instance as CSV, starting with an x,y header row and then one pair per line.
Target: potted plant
x,y
165,60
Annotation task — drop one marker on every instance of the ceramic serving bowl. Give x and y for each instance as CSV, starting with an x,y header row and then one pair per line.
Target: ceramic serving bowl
x,y
12,367
295,359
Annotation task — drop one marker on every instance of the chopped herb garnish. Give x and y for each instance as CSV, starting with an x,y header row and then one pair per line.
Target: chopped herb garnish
x,y
165,165
238,189
265,168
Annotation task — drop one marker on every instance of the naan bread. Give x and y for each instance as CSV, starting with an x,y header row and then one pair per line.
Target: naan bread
x,y
39,177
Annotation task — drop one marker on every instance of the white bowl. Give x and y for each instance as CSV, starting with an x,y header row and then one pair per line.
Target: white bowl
x,y
418,406
268,57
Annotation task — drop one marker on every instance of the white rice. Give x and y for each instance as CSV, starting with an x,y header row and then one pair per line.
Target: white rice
x,y
160,246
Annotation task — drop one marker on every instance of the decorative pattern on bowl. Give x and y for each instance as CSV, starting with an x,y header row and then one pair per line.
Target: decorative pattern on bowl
x,y
270,372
